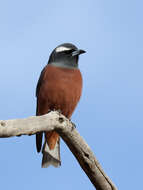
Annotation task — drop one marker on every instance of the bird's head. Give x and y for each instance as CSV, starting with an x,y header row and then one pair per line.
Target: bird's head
x,y
65,56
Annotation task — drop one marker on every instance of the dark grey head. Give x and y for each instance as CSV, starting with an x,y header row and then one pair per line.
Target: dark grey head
x,y
65,56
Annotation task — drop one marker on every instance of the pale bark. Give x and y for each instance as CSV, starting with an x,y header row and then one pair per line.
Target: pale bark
x,y
77,145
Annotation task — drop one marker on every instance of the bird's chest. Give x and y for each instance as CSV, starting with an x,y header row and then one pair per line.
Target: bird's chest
x,y
63,87
62,90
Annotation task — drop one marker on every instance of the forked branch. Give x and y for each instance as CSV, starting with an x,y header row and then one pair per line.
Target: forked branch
x,y
77,145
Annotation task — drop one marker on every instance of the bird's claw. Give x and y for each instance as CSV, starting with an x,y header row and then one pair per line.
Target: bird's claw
x,y
73,125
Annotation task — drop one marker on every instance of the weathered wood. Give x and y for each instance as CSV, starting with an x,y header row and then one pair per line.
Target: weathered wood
x,y
65,128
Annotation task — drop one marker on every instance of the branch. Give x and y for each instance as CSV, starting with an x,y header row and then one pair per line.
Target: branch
x,y
77,145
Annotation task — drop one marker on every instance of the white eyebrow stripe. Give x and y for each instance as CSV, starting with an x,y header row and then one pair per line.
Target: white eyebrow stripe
x,y
62,48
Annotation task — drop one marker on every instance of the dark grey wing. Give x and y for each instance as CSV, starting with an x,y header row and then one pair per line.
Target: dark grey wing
x,y
39,135
39,82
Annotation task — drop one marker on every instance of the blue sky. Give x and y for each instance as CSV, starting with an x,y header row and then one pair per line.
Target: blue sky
x,y
109,115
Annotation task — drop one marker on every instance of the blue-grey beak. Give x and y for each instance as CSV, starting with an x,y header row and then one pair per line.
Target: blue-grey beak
x,y
78,52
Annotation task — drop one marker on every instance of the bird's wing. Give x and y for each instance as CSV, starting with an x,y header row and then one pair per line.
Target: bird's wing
x,y
39,82
39,135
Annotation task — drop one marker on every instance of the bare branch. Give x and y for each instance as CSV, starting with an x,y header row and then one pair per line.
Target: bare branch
x,y
59,123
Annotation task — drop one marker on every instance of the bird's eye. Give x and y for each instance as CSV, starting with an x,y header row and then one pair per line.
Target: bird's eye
x,y
69,51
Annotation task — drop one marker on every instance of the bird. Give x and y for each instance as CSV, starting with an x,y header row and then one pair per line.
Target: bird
x,y
59,88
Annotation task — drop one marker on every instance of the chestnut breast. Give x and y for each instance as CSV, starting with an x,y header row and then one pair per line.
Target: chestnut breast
x,y
60,89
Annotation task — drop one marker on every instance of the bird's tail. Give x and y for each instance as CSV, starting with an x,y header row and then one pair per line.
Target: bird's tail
x,y
51,156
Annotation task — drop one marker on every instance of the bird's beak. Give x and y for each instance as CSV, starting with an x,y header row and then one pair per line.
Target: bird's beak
x,y
78,52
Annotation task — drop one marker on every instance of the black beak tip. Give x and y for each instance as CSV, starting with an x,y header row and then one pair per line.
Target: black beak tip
x,y
78,52
82,51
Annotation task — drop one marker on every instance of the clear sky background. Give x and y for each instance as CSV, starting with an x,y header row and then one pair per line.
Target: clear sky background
x,y
110,113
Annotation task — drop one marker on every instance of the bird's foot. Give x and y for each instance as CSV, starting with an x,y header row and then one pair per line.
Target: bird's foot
x,y
73,125
49,110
